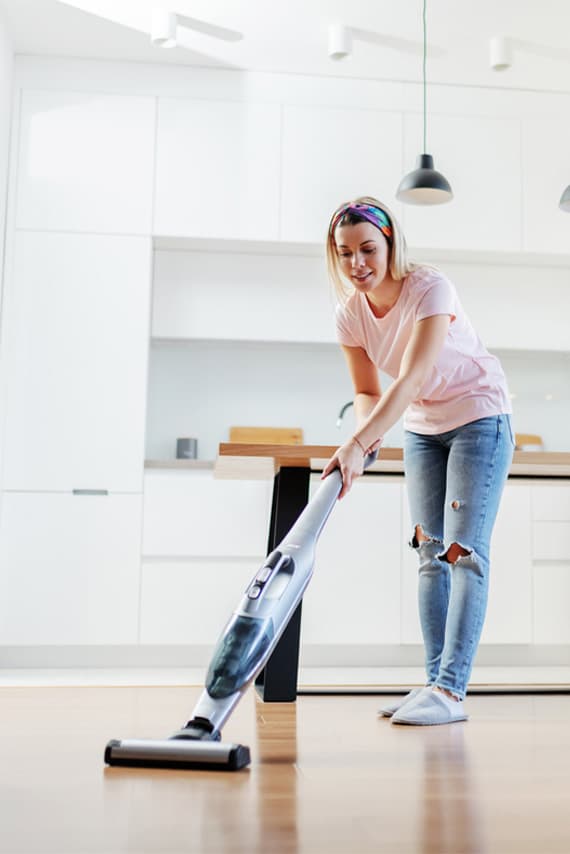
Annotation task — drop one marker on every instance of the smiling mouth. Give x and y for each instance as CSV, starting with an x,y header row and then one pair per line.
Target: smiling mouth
x,y
362,278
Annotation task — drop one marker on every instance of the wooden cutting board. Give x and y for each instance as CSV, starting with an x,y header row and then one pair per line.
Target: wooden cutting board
x,y
267,435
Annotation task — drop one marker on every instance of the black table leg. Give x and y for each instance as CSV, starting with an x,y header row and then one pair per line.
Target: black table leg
x,y
277,682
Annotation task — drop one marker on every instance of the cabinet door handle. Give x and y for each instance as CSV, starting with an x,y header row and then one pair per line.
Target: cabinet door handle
x,y
90,491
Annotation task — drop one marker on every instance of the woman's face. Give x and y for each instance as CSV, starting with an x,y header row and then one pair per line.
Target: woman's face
x,y
363,255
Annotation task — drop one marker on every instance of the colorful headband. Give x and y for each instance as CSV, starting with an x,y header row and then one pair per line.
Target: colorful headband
x,y
373,214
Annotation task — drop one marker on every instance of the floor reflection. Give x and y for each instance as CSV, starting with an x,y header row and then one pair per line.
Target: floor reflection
x,y
451,816
276,745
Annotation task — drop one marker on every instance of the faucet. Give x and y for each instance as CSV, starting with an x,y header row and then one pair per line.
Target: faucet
x,y
341,413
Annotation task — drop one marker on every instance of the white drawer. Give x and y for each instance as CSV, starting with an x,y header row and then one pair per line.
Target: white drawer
x,y
190,601
551,588
551,541
551,502
193,514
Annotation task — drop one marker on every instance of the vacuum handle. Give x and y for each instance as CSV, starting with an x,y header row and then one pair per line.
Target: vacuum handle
x,y
370,458
311,521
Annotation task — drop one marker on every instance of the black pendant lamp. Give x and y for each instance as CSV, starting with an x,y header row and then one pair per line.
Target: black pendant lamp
x,y
425,185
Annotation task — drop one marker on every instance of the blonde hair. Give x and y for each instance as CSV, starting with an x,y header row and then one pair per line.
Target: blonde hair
x,y
398,263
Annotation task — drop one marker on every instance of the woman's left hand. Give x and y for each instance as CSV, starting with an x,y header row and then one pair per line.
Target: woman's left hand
x,y
350,460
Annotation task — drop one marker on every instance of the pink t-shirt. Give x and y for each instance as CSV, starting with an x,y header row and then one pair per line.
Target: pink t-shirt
x,y
466,382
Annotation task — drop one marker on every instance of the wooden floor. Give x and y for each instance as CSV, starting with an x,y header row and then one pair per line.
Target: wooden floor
x,y
327,776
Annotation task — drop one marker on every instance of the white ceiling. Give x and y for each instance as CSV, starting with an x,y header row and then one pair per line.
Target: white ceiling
x,y
291,36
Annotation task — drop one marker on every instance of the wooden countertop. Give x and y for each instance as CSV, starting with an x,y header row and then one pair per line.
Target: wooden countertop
x,y
263,461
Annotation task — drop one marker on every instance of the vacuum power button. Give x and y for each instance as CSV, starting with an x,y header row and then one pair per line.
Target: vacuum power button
x,y
254,592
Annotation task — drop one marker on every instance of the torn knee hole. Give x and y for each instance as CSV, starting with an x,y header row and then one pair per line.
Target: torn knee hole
x,y
420,537
454,552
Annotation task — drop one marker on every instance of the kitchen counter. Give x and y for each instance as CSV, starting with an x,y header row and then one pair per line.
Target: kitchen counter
x,y
179,464
263,461
241,461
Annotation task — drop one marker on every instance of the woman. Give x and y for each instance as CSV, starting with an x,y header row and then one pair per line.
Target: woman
x,y
407,320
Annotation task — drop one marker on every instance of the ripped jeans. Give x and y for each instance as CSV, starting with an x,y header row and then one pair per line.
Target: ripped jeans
x,y
455,481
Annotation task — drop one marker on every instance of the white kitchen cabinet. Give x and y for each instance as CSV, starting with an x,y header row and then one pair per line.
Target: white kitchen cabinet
x,y
545,175
197,515
75,345
551,541
189,601
363,593
500,300
85,162
354,595
551,523
509,609
551,562
217,169
331,156
193,575
410,629
551,501
203,540
69,569
480,157
264,298
551,595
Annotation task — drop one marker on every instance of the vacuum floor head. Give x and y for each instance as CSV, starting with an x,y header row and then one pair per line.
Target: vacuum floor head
x,y
177,753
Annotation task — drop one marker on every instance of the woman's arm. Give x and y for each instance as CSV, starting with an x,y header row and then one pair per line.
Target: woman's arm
x,y
419,358
365,381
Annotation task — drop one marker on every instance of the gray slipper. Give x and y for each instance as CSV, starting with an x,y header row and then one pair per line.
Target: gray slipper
x,y
430,709
388,711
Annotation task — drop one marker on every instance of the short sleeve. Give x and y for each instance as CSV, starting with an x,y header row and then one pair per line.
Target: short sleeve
x,y
439,297
345,329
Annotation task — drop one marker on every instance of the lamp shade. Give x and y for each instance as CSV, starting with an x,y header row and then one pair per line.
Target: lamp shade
x,y
564,203
424,186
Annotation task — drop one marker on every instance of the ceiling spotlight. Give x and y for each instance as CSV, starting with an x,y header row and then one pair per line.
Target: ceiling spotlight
x,y
163,28
340,41
500,54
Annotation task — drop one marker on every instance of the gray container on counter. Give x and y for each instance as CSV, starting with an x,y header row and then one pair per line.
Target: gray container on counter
x,y
186,449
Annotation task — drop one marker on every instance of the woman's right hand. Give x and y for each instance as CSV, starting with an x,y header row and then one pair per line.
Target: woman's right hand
x,y
349,458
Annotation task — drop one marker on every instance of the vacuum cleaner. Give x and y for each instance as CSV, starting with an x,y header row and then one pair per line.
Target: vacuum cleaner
x,y
244,647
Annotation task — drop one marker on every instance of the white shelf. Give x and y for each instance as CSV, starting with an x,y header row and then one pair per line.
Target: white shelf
x,y
181,243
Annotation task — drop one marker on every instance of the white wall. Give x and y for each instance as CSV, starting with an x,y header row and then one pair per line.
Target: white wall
x,y
539,384
6,68
201,388
290,372
6,73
